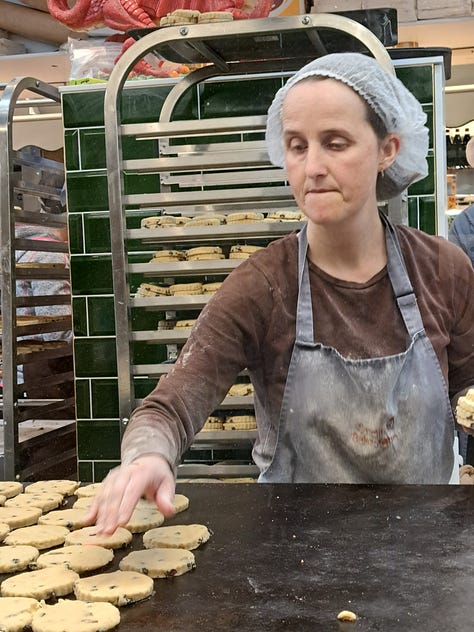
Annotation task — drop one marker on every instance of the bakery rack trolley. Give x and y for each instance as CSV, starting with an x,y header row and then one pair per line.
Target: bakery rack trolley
x,y
214,176
36,456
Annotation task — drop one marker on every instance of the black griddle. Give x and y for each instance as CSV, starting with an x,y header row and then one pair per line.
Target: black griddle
x,y
290,557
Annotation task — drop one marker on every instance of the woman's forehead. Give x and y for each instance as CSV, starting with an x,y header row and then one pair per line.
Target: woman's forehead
x,y
327,96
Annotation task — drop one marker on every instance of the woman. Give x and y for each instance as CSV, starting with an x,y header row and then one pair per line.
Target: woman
x,y
350,365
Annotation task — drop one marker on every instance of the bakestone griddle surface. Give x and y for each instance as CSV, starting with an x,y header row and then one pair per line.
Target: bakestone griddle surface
x,y
290,557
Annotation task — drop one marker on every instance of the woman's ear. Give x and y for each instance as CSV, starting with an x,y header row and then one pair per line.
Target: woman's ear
x,y
389,148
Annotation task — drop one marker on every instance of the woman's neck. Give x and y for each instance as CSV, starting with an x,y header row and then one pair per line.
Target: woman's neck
x,y
354,252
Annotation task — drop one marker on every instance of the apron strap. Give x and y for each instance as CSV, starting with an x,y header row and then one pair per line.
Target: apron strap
x,y
304,310
402,287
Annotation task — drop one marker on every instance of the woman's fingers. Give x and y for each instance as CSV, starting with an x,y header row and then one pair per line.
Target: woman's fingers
x,y
149,476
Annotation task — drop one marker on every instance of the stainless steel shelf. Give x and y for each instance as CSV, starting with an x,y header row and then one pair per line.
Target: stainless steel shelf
x,y
166,337
229,403
171,302
255,230
185,268
217,470
221,436
156,370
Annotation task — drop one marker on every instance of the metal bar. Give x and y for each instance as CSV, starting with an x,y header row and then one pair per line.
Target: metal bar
x,y
186,268
205,159
42,300
41,246
223,178
256,230
254,194
170,302
191,127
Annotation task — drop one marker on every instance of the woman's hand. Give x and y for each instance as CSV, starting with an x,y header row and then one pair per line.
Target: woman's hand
x,y
149,476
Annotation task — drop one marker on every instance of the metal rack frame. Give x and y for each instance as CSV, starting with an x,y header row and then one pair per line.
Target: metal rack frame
x,y
280,44
15,408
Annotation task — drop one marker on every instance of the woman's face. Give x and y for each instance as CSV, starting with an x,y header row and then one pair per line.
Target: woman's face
x,y
331,151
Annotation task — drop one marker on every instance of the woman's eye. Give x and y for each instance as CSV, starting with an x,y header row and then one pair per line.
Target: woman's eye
x,y
336,145
297,146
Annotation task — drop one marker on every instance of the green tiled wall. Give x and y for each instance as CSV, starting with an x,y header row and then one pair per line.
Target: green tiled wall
x,y
91,268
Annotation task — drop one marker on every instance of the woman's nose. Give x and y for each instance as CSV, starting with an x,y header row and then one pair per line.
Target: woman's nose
x,y
315,161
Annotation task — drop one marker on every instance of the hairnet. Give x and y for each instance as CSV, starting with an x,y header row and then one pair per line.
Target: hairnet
x,y
386,95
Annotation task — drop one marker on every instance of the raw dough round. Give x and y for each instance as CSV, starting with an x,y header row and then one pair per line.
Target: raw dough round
x,y
80,617
120,588
159,562
16,558
16,613
187,536
87,535
40,536
42,584
77,557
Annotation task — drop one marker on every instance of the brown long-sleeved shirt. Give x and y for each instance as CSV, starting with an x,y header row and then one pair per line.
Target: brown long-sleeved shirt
x,y
250,323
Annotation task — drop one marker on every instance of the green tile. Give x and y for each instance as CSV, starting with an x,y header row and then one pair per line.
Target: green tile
x,y
135,182
91,275
143,386
427,185
104,398
419,80
83,400
102,468
197,456
413,212
135,148
85,472
79,316
83,109
71,150
87,192
95,357
226,98
143,353
428,215
143,104
101,316
92,148
145,319
76,239
97,232
98,440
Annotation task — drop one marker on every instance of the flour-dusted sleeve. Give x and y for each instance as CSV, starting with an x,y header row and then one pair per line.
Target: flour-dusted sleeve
x,y
224,340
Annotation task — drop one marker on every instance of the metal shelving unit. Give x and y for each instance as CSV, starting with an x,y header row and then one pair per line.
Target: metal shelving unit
x,y
216,175
30,188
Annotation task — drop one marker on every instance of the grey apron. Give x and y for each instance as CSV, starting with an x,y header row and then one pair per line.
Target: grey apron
x,y
374,420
